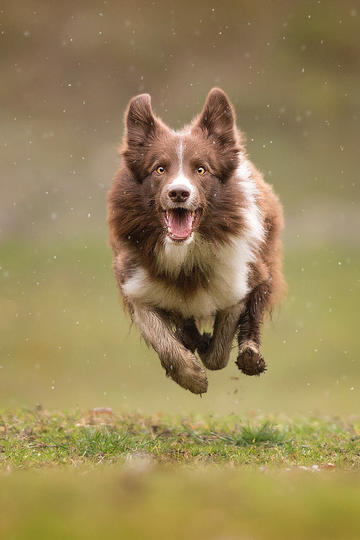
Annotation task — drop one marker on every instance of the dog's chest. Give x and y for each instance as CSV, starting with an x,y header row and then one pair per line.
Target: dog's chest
x,y
227,285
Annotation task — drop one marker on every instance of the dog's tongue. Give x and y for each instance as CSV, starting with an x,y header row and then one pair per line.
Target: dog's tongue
x,y
180,223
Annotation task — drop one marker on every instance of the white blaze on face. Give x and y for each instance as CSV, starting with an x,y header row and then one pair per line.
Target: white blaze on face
x,y
180,225
181,178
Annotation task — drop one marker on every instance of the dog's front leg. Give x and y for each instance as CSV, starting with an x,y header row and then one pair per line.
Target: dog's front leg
x,y
216,354
179,362
249,359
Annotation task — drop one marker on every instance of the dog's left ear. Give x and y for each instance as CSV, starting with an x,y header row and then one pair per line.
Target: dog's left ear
x,y
217,118
217,123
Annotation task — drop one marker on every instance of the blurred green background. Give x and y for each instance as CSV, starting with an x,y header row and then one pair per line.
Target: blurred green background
x,y
68,69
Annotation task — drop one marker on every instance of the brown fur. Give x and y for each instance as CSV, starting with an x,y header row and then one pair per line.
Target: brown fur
x,y
138,231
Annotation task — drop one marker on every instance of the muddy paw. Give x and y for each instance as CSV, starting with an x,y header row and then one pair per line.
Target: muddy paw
x,y
194,380
250,361
191,377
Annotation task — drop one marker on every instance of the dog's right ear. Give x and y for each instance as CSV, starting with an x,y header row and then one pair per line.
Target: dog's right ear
x,y
217,118
217,123
141,126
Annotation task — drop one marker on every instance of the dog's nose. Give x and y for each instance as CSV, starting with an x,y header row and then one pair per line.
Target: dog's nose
x,y
179,193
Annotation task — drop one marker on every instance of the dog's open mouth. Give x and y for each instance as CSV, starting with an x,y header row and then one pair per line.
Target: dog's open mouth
x,y
180,223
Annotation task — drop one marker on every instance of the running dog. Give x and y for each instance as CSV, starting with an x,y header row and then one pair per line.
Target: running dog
x,y
195,232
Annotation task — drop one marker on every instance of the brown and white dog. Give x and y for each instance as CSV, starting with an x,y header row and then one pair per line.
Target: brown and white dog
x,y
195,232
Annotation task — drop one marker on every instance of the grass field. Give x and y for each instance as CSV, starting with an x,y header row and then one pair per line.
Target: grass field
x,y
88,475
270,457
38,439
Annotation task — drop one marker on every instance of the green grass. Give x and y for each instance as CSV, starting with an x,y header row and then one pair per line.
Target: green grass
x,y
38,438
96,474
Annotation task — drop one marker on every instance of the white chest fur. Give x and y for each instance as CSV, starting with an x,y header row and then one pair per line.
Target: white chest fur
x,y
228,284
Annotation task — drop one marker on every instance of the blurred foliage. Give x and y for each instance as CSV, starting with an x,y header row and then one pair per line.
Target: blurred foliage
x,y
69,68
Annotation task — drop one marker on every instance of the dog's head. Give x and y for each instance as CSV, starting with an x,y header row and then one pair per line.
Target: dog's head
x,y
183,176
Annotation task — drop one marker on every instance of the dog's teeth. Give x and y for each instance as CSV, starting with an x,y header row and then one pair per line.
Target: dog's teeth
x,y
169,229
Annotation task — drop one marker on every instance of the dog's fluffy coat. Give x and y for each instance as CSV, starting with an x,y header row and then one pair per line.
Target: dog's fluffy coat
x,y
195,232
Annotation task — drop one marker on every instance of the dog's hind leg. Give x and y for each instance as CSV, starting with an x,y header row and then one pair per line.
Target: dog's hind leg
x,y
179,362
215,354
187,332
249,359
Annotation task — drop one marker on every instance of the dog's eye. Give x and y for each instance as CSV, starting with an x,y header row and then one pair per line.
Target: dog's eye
x,y
160,169
201,170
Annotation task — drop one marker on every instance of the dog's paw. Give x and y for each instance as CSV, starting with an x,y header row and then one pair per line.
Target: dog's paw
x,y
192,377
250,361
204,343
